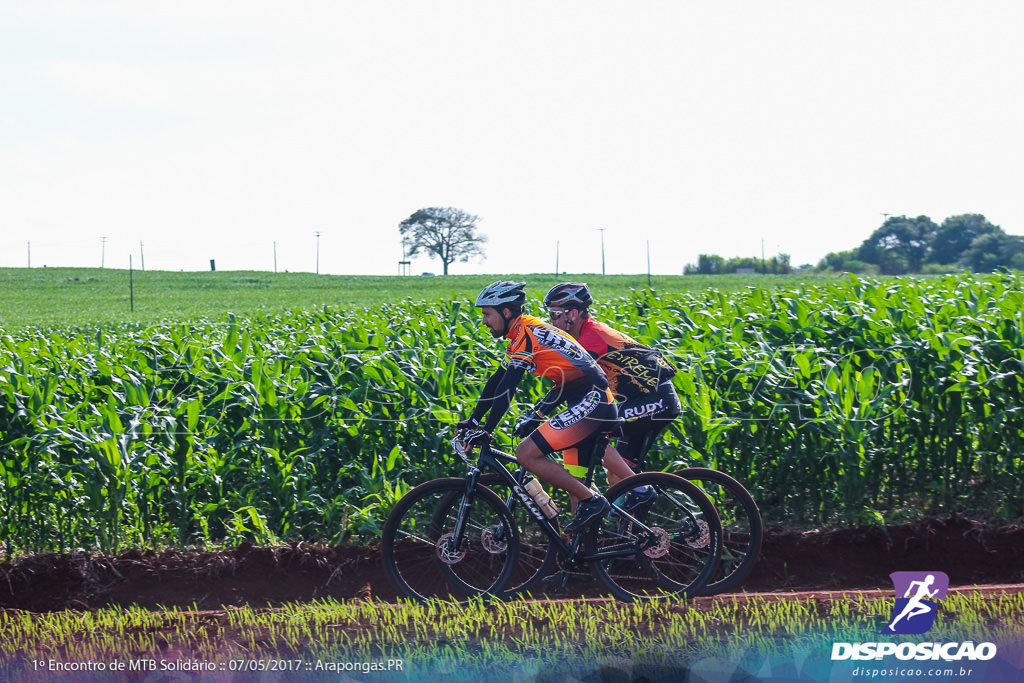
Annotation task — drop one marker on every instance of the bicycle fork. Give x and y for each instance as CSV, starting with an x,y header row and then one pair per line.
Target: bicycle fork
x,y
451,548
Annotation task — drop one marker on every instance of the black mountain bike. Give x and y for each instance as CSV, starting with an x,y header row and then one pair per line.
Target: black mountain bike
x,y
455,538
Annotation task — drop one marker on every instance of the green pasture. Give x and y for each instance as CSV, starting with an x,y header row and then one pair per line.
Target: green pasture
x,y
87,296
839,401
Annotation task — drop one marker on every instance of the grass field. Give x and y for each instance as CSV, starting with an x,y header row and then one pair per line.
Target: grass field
x,y
84,296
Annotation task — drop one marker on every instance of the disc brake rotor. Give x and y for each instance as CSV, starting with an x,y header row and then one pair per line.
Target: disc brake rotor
x,y
490,542
446,550
699,537
660,549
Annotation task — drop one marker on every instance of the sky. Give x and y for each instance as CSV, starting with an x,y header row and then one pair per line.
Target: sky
x,y
624,136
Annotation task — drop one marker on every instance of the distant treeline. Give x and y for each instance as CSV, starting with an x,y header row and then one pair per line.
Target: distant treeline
x,y
712,264
902,245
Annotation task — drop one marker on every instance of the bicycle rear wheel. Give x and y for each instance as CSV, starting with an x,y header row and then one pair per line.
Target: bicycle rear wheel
x,y
742,528
427,556
673,550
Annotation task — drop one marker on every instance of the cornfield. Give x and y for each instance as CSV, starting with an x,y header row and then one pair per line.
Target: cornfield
x,y
846,402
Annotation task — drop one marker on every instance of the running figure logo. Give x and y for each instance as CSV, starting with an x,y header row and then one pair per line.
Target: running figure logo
x,y
915,611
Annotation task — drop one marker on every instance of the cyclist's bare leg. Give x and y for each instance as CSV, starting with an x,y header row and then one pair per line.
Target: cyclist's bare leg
x,y
530,457
616,467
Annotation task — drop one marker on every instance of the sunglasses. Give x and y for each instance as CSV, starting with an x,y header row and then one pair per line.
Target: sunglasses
x,y
555,315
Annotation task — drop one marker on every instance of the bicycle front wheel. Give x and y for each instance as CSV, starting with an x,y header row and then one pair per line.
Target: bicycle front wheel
x,y
442,542
667,547
742,528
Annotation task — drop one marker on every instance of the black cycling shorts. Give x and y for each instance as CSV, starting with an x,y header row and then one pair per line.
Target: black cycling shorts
x,y
646,416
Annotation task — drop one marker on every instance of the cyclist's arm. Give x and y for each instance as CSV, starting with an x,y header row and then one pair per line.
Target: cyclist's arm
x,y
503,393
484,403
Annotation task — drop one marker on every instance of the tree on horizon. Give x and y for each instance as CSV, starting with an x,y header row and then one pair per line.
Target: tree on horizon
x,y
445,233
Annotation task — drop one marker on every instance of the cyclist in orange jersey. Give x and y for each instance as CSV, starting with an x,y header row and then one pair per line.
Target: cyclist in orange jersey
x,y
639,376
579,384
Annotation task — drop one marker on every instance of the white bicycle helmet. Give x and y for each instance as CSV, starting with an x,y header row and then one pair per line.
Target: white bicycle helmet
x,y
502,293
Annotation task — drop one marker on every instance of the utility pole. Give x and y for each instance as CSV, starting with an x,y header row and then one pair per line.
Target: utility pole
x,y
30,253
648,264
318,252
556,256
142,256
275,256
602,249
103,251
405,265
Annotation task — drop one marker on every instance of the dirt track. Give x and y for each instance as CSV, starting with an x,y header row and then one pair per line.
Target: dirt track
x,y
847,559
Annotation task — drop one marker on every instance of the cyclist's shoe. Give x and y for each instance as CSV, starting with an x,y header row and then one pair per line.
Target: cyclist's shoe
x,y
638,500
586,512
635,503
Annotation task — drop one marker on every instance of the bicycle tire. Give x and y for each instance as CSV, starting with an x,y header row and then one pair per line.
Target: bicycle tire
x,y
688,543
742,527
423,559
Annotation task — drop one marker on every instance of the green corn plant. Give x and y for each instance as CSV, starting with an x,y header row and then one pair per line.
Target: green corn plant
x,y
836,402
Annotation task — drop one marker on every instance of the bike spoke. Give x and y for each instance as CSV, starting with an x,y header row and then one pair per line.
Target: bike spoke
x,y
742,529
537,555
426,555
675,547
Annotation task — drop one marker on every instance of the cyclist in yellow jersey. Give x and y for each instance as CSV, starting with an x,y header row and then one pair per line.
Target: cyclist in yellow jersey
x,y
579,384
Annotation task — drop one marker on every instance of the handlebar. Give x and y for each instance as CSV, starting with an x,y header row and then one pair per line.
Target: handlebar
x,y
460,450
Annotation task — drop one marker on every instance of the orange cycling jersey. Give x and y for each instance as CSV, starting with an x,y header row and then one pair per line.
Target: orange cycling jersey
x,y
633,369
547,351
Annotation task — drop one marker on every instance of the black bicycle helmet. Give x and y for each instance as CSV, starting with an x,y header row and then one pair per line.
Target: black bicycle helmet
x,y
502,293
573,294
